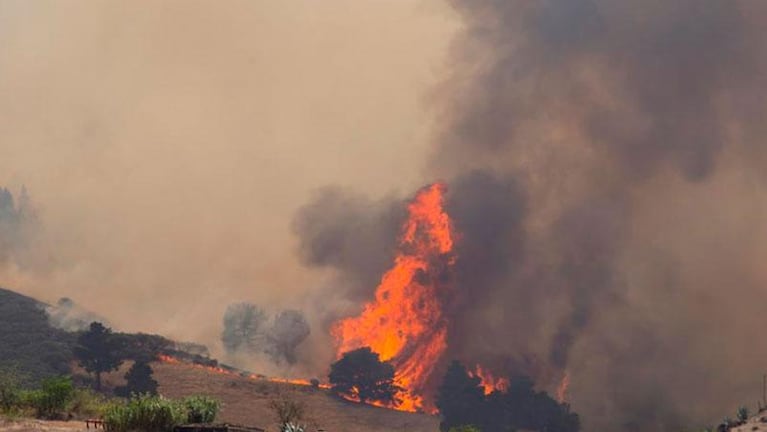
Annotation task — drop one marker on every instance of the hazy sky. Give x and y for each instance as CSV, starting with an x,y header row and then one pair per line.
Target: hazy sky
x,y
168,145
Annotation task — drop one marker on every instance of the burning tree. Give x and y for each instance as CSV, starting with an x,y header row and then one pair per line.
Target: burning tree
x,y
462,400
405,323
360,375
460,397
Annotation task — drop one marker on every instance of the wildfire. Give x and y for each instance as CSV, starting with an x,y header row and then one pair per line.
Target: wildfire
x,y
405,323
221,371
564,386
489,382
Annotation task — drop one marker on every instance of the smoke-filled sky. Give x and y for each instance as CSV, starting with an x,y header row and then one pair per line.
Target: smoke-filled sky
x,y
167,147
604,160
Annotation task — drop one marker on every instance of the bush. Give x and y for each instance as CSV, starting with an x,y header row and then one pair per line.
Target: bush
x,y
201,409
144,413
292,427
287,411
86,404
743,414
156,414
10,391
52,399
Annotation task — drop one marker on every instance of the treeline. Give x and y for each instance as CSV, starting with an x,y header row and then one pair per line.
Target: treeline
x,y
462,402
360,375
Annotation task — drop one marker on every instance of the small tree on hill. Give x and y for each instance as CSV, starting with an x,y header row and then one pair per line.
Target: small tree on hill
x,y
98,351
139,381
361,374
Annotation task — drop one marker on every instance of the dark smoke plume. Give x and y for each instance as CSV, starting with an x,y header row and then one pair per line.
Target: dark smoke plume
x,y
605,170
352,234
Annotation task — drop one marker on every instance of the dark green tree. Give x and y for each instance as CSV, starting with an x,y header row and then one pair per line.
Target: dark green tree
x,y
98,351
460,398
139,381
462,401
360,374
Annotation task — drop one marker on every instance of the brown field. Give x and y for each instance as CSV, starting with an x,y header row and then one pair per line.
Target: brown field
x,y
246,401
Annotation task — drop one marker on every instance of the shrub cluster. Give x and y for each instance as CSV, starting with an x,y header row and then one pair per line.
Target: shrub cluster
x,y
56,398
157,414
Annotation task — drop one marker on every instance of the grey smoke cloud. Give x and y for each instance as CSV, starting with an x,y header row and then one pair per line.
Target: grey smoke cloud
x,y
604,162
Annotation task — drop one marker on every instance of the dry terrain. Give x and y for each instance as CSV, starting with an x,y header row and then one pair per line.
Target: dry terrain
x,y
246,401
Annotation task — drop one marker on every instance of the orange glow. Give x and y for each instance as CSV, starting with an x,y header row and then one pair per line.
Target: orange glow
x,y
563,389
489,382
405,323
222,371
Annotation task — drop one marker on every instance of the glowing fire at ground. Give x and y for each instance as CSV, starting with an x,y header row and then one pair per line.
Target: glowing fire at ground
x,y
405,323
489,382
563,389
218,370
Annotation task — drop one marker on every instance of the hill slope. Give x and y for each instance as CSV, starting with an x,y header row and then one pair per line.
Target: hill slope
x,y
27,341
246,401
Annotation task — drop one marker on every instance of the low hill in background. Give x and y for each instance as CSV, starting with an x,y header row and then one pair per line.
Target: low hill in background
x,y
28,343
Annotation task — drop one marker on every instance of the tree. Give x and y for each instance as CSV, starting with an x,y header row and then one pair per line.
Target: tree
x,y
98,351
243,324
459,398
360,374
287,411
287,332
462,401
139,381
53,397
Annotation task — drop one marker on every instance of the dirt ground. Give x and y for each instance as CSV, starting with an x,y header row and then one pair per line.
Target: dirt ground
x,y
41,426
246,401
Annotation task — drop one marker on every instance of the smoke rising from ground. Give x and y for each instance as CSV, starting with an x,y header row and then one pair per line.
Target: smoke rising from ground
x,y
604,161
68,315
605,167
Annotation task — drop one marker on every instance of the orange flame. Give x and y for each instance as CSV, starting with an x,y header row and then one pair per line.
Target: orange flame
x,y
489,382
405,323
563,389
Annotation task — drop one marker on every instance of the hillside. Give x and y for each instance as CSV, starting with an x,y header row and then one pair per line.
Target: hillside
x,y
246,401
27,341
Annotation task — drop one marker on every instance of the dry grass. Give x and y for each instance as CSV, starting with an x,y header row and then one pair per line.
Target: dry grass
x,y
27,425
246,401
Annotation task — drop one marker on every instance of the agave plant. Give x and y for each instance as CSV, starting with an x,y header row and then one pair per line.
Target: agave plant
x,y
743,414
292,427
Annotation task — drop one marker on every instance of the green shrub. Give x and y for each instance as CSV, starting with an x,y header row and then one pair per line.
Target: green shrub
x,y
51,400
10,391
86,404
201,409
156,414
743,414
144,413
